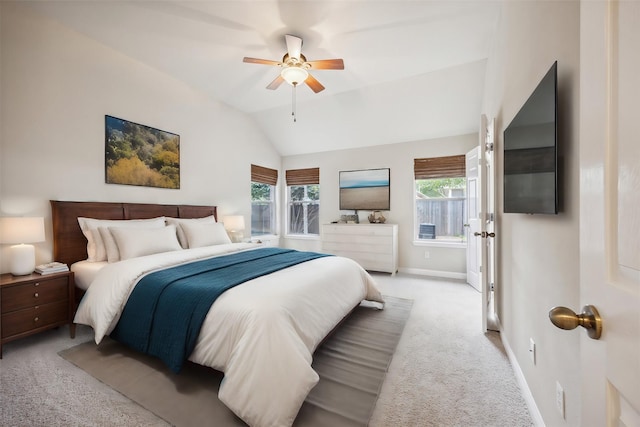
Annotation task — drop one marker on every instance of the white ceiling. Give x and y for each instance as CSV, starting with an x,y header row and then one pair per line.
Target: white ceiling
x,y
414,70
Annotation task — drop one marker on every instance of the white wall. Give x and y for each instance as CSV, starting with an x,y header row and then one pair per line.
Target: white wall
x,y
448,262
539,254
57,85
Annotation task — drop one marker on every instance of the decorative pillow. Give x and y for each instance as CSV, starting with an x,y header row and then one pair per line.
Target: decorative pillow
x,y
135,242
200,234
177,221
96,250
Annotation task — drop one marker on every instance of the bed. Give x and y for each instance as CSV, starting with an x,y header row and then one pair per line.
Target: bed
x,y
261,333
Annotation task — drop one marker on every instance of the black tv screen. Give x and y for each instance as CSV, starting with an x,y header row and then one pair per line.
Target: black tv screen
x,y
530,152
367,189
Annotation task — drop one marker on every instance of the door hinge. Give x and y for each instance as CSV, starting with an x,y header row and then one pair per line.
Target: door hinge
x,y
489,146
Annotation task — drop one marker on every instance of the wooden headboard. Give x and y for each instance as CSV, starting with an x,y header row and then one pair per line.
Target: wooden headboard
x,y
70,245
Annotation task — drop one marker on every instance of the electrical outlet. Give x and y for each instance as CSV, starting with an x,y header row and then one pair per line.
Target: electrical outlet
x,y
560,399
532,350
426,254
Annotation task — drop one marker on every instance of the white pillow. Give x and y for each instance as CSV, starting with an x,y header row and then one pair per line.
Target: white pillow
x,y
96,250
200,234
135,242
177,221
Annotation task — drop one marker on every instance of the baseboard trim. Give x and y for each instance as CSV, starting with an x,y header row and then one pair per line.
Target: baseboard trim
x,y
522,382
434,273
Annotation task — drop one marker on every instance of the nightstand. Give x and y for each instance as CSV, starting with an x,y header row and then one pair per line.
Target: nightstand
x,y
34,303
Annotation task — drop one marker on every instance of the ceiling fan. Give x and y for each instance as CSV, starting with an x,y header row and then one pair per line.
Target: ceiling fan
x,y
295,67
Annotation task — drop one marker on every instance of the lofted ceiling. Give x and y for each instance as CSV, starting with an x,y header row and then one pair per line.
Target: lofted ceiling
x,y
414,70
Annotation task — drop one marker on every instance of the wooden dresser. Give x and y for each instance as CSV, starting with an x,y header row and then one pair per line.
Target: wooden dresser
x,y
34,303
373,246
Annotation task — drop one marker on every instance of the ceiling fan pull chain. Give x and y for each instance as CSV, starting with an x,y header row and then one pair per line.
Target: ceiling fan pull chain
x,y
293,102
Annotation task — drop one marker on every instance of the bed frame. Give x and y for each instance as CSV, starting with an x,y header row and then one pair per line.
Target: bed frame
x,y
70,245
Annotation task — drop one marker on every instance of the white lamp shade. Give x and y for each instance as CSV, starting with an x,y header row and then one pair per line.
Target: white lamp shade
x,y
234,222
18,231
21,230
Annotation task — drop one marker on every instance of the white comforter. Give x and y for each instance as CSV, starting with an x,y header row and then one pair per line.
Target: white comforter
x,y
261,334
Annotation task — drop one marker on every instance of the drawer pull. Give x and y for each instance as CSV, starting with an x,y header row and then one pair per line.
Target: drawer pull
x,y
36,295
37,284
36,319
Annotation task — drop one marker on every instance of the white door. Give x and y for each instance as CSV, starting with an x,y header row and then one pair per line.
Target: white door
x,y
488,207
473,217
609,209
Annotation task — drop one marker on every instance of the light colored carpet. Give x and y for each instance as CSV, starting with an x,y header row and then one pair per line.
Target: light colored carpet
x,y
352,364
445,372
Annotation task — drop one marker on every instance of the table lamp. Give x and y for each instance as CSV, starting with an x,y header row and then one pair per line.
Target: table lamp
x,y
19,232
234,224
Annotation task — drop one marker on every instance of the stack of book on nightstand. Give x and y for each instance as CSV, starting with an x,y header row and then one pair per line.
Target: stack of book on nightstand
x,y
52,267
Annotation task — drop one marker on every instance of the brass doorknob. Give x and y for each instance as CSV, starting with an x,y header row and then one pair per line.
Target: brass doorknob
x,y
565,318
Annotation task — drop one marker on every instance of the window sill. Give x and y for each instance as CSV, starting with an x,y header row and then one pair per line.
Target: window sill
x,y
264,237
437,244
302,236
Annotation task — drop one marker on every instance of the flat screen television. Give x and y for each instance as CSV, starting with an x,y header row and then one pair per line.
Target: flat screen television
x,y
531,152
367,189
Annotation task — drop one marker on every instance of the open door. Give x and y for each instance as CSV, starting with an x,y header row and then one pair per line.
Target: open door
x,y
488,176
481,226
609,206
473,227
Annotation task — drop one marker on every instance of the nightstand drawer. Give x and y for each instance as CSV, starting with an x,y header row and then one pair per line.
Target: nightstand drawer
x,y
31,318
35,293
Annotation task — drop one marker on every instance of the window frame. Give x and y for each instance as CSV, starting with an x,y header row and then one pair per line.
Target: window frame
x,y
437,168
266,176
301,178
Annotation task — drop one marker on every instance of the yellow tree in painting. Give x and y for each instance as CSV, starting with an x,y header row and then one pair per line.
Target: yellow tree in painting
x,y
140,155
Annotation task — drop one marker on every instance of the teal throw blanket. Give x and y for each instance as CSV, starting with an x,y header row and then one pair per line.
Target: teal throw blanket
x,y
166,309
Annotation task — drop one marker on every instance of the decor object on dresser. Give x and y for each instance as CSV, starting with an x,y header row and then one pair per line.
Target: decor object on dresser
x,y
373,246
234,224
35,303
19,232
140,155
376,217
365,190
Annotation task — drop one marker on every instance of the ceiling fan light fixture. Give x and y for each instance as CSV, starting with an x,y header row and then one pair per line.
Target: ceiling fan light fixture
x,y
294,75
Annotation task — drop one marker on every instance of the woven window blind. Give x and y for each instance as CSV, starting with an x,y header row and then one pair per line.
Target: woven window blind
x,y
264,175
439,167
308,176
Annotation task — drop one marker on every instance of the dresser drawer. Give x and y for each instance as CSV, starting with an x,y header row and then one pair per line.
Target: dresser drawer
x,y
34,293
358,229
31,318
380,247
373,246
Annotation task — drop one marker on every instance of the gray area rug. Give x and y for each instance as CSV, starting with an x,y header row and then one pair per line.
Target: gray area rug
x,y
352,364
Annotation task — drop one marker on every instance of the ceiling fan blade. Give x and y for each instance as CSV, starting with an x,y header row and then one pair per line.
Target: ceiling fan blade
x,y
327,64
314,84
294,46
260,61
275,84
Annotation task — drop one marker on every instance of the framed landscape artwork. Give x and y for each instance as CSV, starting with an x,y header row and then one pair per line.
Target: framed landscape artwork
x,y
367,189
136,154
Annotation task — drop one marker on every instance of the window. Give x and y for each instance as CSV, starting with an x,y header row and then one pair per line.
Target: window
x,y
263,200
303,201
441,204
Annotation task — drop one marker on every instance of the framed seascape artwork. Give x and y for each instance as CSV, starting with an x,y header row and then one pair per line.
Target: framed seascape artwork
x,y
367,189
136,154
